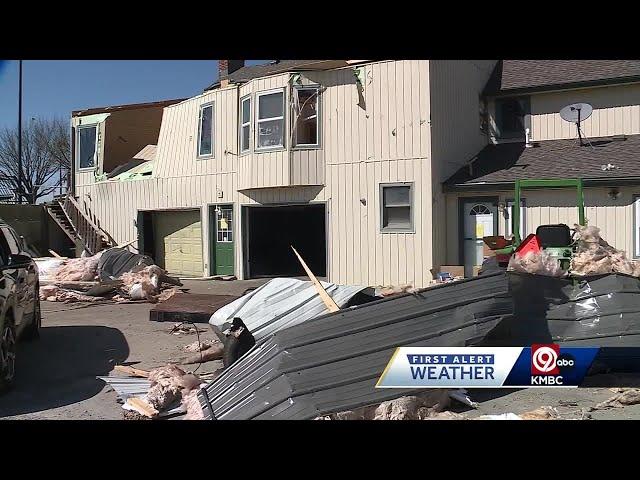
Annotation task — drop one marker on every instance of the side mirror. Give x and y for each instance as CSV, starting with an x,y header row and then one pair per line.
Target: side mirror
x,y
16,260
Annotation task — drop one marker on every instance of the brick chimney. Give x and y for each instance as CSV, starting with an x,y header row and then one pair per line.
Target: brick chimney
x,y
226,68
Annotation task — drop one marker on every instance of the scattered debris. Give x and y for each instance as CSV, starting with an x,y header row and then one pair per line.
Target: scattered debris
x,y
226,278
594,256
541,413
624,397
429,405
214,353
134,372
537,263
184,329
76,279
501,416
395,289
199,346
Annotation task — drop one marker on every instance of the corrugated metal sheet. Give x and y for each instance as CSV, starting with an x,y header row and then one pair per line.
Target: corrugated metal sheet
x,y
280,303
596,311
333,363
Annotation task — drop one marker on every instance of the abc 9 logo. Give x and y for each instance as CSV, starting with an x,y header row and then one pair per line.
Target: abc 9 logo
x,y
546,359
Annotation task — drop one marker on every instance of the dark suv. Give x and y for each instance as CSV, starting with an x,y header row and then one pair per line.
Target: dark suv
x,y
19,301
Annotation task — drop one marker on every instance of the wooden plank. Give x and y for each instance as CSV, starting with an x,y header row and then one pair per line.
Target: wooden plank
x,y
142,407
328,301
134,372
189,307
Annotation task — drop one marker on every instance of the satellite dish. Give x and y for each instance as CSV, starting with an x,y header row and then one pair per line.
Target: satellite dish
x,y
576,113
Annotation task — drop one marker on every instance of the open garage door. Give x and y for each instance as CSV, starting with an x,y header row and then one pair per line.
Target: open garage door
x,y
178,242
270,232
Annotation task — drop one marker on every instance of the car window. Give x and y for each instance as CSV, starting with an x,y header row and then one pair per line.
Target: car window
x,y
12,241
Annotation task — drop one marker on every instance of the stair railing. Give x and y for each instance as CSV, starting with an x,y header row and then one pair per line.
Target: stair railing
x,y
91,234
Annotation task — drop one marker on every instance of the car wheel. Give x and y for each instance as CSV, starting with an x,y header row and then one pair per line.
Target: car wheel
x,y
33,330
7,354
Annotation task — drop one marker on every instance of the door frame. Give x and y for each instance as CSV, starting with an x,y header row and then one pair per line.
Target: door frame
x,y
494,200
245,231
140,218
213,237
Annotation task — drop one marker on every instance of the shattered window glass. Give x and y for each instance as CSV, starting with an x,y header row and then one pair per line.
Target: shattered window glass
x,y
87,146
205,146
306,106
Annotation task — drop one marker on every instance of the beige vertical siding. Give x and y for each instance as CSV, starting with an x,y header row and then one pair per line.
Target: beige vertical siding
x,y
177,153
455,88
613,217
616,110
384,139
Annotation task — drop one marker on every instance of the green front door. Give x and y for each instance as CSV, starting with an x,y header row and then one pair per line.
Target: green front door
x,y
223,237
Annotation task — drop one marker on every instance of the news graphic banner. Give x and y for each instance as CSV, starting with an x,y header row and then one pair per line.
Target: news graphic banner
x,y
546,365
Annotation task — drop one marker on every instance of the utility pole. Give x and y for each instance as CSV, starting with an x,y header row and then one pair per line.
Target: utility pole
x,y
20,131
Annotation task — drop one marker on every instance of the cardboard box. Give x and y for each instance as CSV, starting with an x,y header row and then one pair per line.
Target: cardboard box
x,y
453,270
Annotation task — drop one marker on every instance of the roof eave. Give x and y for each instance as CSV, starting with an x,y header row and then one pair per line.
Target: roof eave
x,y
510,185
564,86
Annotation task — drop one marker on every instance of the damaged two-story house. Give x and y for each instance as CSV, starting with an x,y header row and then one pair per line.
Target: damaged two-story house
x,y
377,172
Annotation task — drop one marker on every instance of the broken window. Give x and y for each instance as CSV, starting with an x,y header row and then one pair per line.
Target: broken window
x,y
205,133
396,203
270,120
87,146
245,124
511,116
306,115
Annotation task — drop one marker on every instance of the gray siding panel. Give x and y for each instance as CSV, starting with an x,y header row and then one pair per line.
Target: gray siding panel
x,y
332,363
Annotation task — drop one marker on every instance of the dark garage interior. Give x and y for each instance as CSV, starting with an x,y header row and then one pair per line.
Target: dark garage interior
x,y
272,230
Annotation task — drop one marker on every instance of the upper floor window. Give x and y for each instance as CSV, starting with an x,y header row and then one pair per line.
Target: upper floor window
x,y
270,120
87,146
396,204
245,124
511,116
205,131
306,103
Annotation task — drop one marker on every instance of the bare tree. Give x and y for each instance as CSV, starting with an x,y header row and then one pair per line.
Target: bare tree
x,y
45,154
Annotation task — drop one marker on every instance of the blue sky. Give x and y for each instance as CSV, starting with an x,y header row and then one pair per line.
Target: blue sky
x,y
56,87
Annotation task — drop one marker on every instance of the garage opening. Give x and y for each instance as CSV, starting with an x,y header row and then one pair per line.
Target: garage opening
x,y
270,232
173,239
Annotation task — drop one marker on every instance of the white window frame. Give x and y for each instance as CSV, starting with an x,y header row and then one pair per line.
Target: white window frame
x,y
636,225
308,146
523,218
258,120
213,130
244,99
411,227
95,147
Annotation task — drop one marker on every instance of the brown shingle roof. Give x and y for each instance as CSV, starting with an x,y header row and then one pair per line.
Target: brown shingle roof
x,y
513,76
504,163
131,106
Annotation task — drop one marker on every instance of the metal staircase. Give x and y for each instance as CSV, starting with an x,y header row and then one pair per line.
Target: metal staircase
x,y
77,225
